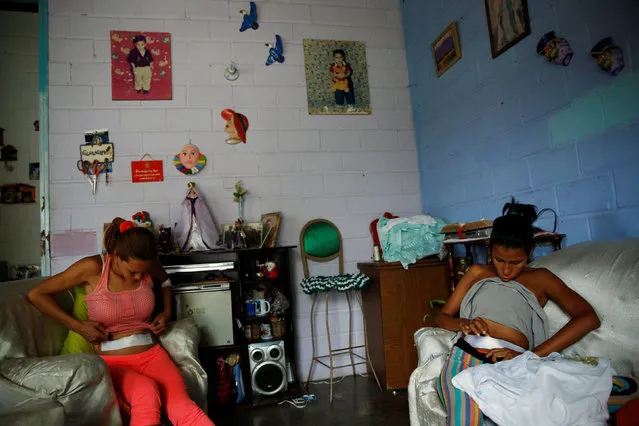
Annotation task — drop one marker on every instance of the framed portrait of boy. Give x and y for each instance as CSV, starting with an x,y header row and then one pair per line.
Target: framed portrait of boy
x,y
336,77
508,24
140,66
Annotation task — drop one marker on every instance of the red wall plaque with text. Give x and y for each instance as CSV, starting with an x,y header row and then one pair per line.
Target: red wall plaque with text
x,y
147,171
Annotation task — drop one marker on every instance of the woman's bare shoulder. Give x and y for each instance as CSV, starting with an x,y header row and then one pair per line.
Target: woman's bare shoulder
x,y
90,266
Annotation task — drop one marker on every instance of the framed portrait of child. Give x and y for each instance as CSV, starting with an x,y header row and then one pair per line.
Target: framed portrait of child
x,y
140,66
336,77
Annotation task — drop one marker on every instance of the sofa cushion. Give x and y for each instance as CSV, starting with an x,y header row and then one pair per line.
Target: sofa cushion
x,y
606,274
81,383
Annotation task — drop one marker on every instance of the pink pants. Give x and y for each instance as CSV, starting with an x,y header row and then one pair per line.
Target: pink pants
x,y
150,380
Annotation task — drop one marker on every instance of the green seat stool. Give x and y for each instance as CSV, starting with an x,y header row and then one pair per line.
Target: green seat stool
x,y
321,241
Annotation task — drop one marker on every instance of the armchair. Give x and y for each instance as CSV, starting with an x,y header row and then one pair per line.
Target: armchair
x,y
604,273
40,387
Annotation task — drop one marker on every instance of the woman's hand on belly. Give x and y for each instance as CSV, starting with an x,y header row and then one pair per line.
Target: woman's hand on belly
x,y
92,331
477,326
501,354
486,327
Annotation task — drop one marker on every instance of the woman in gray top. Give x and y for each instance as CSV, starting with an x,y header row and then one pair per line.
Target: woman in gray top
x,y
501,313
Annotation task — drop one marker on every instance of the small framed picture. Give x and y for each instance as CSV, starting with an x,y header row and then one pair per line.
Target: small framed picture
x,y
245,235
270,227
508,24
446,49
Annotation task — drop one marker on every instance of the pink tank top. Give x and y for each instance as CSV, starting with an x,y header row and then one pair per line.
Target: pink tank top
x,y
122,311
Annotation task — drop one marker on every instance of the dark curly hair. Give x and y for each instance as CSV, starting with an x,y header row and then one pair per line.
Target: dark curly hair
x,y
514,228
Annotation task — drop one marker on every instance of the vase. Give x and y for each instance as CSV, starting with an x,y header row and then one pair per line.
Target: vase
x,y
608,55
240,209
556,50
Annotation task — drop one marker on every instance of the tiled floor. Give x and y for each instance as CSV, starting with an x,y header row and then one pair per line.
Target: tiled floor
x,y
356,402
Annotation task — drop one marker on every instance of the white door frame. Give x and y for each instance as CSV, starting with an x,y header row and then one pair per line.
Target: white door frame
x,y
43,97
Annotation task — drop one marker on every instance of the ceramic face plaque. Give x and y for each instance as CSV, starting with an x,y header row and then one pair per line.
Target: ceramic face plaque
x,y
189,160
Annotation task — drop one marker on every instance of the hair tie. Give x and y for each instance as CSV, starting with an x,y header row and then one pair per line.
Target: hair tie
x,y
126,225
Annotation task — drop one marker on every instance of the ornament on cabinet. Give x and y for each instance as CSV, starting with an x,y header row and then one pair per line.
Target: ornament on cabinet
x,y
556,50
275,52
249,18
197,231
236,126
608,55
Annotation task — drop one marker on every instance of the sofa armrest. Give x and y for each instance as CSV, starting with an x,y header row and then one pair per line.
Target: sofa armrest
x,y
81,383
432,342
433,345
181,342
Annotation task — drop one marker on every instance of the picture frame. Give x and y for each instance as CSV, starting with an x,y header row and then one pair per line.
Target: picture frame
x,y
232,239
270,228
336,77
446,49
508,24
141,66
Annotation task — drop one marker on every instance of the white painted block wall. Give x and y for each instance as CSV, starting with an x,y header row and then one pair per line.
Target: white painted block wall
x,y
19,223
349,169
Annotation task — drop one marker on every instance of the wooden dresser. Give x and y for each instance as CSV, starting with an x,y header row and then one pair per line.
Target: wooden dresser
x,y
395,305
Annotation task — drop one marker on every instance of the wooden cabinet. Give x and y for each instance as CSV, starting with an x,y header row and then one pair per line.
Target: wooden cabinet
x,y
395,305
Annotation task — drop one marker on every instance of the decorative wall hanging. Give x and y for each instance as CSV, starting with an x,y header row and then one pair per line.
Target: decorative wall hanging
x,y
336,77
17,193
446,49
34,171
608,55
147,170
8,153
96,156
231,73
197,230
189,160
236,126
249,18
275,53
556,50
140,66
508,24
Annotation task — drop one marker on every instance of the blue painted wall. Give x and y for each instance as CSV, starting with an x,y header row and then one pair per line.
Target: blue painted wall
x,y
559,137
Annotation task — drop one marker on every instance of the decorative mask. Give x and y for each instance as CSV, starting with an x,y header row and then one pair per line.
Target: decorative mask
x,y
556,50
608,55
189,160
236,126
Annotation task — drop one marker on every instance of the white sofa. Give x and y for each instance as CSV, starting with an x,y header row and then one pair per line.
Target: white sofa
x,y
604,273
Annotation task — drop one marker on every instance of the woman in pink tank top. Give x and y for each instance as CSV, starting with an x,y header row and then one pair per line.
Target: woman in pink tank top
x,y
120,303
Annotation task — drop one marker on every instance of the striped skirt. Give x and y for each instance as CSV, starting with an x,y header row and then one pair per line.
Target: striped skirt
x,y
460,407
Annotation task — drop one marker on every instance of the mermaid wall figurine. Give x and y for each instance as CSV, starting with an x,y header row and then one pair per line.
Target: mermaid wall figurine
x,y
197,231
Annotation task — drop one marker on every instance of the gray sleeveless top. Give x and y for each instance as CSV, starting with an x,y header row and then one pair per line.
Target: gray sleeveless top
x,y
508,303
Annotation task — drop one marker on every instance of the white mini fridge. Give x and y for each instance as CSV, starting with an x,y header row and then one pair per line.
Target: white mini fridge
x,y
209,304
